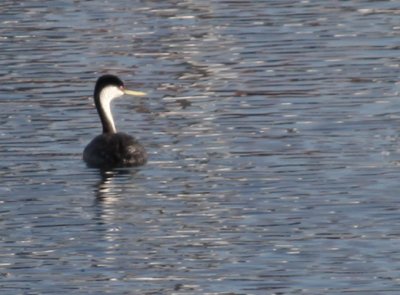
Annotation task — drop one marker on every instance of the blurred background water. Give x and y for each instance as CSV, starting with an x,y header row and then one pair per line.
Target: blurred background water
x,y
272,131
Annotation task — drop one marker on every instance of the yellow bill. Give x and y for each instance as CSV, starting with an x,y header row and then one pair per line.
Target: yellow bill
x,y
134,93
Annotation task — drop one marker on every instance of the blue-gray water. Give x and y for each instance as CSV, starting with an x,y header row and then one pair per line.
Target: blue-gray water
x,y
272,131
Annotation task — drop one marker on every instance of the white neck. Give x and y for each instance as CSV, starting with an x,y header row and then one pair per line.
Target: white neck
x,y
107,94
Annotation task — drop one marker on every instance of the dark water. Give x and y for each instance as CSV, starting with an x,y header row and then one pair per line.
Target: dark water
x,y
272,129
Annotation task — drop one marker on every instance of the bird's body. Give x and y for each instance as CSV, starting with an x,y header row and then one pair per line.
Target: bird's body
x,y
114,150
111,148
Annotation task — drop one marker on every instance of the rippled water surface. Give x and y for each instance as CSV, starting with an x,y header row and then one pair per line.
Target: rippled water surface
x,y
272,131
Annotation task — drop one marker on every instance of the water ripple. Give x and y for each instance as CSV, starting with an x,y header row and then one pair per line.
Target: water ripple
x,y
271,131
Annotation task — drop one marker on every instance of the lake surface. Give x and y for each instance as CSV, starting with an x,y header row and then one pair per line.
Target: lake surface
x,y
272,129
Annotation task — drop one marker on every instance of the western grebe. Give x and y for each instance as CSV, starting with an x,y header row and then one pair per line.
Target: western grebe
x,y
111,148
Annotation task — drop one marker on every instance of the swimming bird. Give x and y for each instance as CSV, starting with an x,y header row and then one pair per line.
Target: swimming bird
x,y
111,148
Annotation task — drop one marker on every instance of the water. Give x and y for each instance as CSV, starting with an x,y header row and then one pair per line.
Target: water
x,y
272,131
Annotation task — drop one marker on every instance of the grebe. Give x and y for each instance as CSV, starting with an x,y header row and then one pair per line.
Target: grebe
x,y
111,148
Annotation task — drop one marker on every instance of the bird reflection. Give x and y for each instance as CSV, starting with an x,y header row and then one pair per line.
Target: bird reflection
x,y
107,206
108,192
